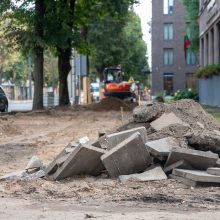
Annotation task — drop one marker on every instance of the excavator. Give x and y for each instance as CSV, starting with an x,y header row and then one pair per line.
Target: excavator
x,y
114,86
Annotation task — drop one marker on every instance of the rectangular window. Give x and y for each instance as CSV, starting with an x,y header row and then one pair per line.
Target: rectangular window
x,y
190,57
168,57
168,7
168,83
168,31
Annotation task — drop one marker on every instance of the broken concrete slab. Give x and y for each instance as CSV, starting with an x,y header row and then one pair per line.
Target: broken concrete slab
x,y
14,176
213,171
34,176
82,160
148,113
153,173
182,164
197,159
166,120
128,157
112,140
162,147
197,175
183,180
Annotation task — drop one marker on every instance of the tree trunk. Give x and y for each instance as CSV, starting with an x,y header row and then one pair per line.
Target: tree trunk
x,y
64,68
38,78
1,74
39,56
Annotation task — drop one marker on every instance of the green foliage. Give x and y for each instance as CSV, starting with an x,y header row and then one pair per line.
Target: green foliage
x,y
208,71
186,94
120,43
192,8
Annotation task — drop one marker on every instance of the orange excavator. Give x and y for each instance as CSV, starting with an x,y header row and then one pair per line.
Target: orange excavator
x,y
114,86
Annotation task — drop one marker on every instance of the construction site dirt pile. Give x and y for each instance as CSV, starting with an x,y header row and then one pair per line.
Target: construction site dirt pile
x,y
112,104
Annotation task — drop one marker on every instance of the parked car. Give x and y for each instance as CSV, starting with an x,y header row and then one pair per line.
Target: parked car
x,y
3,101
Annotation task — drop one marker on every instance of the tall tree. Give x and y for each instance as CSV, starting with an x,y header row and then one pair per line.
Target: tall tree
x,y
26,29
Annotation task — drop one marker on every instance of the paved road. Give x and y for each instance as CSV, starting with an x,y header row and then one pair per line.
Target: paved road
x,y
20,106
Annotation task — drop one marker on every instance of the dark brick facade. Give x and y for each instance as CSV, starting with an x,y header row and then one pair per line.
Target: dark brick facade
x,y
179,67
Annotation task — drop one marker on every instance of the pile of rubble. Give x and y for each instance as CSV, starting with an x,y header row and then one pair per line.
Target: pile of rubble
x,y
178,140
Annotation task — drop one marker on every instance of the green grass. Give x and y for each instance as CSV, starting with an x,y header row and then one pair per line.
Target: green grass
x,y
216,115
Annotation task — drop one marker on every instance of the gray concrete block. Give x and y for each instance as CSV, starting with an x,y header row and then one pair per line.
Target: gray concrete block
x,y
182,164
153,173
213,171
112,140
162,147
166,120
197,175
128,157
83,160
197,159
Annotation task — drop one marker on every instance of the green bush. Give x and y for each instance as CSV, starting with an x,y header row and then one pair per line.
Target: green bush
x,y
208,71
186,94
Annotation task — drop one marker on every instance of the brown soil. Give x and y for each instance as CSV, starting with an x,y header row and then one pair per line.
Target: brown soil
x,y
45,134
112,104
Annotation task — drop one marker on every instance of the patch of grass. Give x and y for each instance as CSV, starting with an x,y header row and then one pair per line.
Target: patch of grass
x,y
216,115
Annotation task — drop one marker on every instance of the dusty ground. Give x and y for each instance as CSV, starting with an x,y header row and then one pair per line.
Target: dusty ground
x,y
45,134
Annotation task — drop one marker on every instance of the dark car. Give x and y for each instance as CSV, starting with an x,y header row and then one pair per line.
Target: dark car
x,y
3,101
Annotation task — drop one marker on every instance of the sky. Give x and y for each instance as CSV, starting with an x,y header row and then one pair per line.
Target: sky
x,y
144,11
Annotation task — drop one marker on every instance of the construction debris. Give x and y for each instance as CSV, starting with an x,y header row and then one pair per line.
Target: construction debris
x,y
195,177
128,157
197,159
34,163
162,147
213,171
182,164
152,173
110,141
180,136
82,160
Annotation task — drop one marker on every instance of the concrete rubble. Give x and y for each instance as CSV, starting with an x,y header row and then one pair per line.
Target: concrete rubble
x,y
129,156
152,173
178,140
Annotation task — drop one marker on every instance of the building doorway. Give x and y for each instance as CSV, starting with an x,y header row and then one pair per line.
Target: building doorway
x,y
168,83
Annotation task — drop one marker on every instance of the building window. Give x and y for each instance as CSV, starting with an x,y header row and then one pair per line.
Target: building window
x,y
168,31
168,7
168,57
190,57
168,83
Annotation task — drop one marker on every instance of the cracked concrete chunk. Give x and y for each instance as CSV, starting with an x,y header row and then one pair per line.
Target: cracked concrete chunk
x,y
112,140
153,173
162,147
128,157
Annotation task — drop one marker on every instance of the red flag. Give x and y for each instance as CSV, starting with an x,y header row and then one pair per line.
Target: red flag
x,y
186,44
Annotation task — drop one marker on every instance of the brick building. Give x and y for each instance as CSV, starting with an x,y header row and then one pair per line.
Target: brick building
x,y
209,89
171,68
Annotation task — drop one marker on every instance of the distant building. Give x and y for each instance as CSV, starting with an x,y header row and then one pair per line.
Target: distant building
x,y
209,89
172,68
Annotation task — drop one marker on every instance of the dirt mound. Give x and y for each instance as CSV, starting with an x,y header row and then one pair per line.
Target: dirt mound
x,y
193,114
111,104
